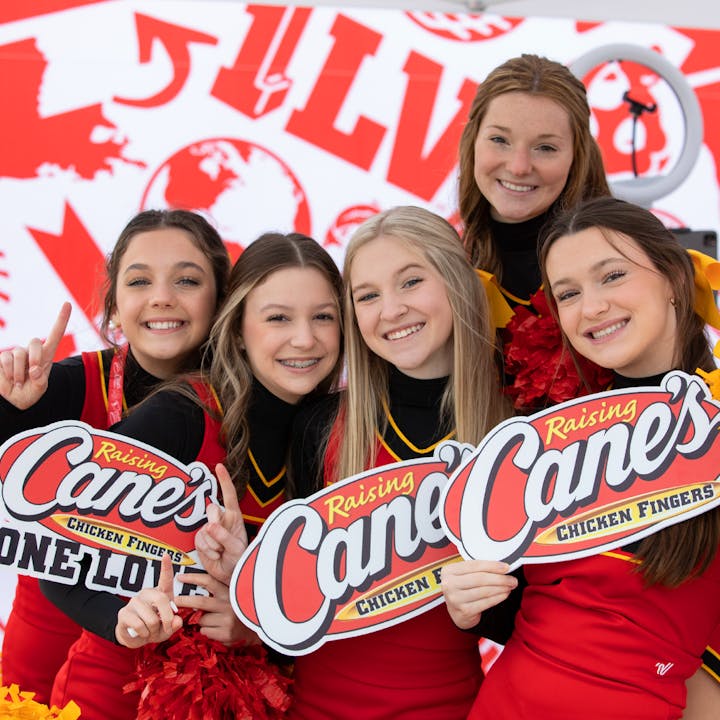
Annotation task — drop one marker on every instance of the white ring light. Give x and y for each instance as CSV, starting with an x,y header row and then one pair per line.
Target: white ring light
x,y
641,190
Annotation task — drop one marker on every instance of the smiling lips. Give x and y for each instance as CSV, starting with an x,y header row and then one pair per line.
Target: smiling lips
x,y
404,332
606,331
516,188
300,364
164,324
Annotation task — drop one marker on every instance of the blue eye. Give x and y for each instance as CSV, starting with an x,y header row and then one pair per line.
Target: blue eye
x,y
136,282
189,281
412,282
365,297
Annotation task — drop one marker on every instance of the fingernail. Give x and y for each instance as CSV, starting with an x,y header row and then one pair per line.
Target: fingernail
x,y
132,633
174,607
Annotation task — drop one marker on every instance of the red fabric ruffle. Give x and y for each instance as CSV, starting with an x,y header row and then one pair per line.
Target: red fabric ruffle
x,y
190,677
543,370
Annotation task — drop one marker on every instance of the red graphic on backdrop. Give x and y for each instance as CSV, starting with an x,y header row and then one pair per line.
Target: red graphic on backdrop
x,y
229,179
269,45
175,39
463,27
316,123
19,9
339,233
702,70
606,86
76,259
413,167
4,275
29,141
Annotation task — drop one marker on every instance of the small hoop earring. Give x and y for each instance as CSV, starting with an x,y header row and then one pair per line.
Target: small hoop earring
x,y
672,301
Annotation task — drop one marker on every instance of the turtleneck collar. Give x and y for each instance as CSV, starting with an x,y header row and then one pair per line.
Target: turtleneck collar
x,y
266,408
621,381
418,393
516,237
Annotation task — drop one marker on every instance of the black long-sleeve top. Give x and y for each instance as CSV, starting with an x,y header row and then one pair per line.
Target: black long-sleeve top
x,y
175,424
65,394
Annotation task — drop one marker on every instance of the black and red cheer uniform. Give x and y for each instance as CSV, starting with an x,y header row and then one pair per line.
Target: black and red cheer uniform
x,y
37,634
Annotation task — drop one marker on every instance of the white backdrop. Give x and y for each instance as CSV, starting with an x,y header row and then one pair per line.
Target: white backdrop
x,y
273,117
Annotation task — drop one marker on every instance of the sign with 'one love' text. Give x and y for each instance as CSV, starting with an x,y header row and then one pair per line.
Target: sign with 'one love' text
x,y
69,490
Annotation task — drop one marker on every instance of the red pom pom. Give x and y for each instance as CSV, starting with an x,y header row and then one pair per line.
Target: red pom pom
x,y
543,370
190,677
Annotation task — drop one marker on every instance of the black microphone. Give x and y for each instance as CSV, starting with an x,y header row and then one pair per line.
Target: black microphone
x,y
636,107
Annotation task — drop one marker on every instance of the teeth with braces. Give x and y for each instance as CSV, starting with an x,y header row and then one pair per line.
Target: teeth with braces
x,y
300,364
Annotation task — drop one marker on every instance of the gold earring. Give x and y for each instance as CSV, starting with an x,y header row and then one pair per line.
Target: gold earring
x,y
672,301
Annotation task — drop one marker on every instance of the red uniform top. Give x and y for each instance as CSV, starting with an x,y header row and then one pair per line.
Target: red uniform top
x,y
38,635
591,640
423,668
97,670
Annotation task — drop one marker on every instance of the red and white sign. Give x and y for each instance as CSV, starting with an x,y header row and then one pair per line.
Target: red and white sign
x,y
69,490
588,475
358,556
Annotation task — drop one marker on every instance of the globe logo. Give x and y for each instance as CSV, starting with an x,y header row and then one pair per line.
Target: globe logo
x,y
240,187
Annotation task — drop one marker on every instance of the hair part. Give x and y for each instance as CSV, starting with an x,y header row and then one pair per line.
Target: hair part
x,y
200,232
474,372
539,77
697,539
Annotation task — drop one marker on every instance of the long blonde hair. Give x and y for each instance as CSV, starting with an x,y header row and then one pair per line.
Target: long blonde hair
x,y
472,403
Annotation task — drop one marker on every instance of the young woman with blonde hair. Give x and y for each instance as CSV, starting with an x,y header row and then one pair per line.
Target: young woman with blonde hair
x,y
420,368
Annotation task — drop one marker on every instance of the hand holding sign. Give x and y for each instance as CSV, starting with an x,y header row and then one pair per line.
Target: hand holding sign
x,y
221,542
24,371
472,586
151,616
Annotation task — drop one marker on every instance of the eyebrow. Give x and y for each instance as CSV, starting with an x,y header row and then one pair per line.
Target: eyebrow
x,y
183,265
544,136
593,268
405,268
280,306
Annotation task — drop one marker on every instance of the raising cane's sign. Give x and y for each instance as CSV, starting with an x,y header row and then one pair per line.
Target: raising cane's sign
x,y
584,476
588,475
69,490
360,555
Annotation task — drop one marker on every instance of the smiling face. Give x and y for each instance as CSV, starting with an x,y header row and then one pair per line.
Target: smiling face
x,y
291,331
165,299
613,305
402,308
523,155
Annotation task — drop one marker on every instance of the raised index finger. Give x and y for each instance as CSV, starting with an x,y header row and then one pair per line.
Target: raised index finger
x,y
229,494
57,331
165,580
